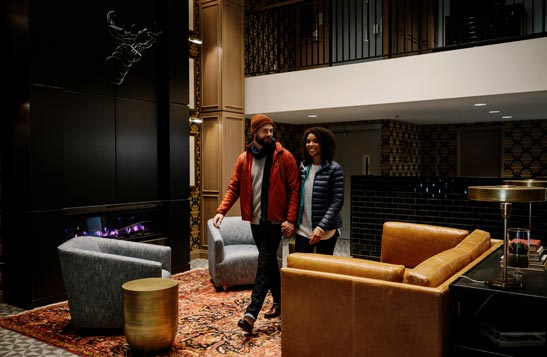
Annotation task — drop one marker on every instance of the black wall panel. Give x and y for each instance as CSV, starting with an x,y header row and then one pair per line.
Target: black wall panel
x,y
47,232
90,150
48,35
136,150
47,147
86,44
179,228
178,152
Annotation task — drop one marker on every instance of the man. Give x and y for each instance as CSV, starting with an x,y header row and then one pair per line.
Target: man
x,y
266,181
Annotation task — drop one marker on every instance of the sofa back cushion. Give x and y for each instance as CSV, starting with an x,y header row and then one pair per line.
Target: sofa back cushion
x,y
236,231
346,266
435,270
410,244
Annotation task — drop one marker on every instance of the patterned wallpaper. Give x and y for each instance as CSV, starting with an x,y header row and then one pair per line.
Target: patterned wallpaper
x,y
525,155
271,31
195,193
400,149
195,129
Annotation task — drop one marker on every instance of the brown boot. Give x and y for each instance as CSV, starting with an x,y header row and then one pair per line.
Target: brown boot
x,y
246,323
273,312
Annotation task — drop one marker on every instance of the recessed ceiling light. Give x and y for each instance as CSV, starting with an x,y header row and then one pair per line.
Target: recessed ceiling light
x,y
493,111
507,117
312,115
479,104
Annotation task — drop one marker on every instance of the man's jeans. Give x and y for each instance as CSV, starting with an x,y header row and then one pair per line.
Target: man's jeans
x,y
267,239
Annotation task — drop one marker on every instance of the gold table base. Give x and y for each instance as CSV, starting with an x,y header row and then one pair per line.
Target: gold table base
x,y
150,312
505,284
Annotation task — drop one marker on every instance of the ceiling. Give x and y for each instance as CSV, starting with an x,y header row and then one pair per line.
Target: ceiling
x,y
520,106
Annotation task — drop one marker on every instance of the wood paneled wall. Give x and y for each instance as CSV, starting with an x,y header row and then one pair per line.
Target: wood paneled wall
x,y
222,103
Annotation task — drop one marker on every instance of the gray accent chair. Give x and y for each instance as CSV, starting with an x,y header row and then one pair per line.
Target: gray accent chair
x,y
94,270
232,253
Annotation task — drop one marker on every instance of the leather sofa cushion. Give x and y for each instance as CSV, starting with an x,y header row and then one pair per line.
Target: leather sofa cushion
x,y
476,243
435,270
410,243
347,266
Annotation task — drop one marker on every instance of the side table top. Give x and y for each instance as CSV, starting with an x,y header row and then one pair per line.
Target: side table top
x,y
535,282
150,284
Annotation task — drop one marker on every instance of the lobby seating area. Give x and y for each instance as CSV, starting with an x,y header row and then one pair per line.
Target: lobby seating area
x,y
345,306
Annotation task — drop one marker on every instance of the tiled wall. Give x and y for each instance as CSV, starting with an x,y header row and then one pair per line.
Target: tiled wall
x,y
429,200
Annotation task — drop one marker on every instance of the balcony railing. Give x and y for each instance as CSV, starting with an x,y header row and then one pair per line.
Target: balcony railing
x,y
301,34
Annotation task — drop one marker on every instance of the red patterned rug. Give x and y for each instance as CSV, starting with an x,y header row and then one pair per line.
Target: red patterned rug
x,y
207,325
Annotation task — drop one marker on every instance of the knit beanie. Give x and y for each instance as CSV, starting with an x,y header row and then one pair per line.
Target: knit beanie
x,y
259,120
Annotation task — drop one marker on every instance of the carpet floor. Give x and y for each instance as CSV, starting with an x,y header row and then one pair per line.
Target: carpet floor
x,y
207,325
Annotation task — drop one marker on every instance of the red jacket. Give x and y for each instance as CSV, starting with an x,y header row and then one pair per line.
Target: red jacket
x,y
283,193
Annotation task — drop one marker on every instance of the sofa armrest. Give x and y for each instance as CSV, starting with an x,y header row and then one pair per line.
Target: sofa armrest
x,y
215,243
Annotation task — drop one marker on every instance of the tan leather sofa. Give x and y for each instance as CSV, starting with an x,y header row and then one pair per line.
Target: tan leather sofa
x,y
343,306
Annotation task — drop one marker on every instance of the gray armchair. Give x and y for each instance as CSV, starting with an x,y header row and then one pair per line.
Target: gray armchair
x,y
232,253
94,270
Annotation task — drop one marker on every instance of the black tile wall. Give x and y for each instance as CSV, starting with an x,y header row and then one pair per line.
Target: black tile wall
x,y
429,200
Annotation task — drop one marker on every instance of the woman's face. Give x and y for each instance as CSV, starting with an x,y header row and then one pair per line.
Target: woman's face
x,y
313,148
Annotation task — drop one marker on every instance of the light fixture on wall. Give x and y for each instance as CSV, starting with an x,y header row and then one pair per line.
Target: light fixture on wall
x,y
195,120
195,40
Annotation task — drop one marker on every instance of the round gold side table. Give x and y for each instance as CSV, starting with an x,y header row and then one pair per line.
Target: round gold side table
x,y
150,313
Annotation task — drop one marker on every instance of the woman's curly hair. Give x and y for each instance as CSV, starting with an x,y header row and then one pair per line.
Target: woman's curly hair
x,y
326,139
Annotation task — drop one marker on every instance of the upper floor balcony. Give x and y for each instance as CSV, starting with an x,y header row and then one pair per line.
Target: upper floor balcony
x,y
301,34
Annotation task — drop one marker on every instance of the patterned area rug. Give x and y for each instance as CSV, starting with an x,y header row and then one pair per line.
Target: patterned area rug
x,y
207,325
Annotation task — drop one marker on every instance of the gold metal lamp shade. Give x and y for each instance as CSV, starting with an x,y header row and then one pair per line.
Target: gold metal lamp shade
x,y
506,195
528,183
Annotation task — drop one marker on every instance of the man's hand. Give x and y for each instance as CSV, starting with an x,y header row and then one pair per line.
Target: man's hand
x,y
217,220
287,228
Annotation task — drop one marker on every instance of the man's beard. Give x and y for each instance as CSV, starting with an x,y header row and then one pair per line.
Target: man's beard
x,y
266,140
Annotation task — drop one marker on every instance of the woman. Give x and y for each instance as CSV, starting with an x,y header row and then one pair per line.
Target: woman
x,y
321,193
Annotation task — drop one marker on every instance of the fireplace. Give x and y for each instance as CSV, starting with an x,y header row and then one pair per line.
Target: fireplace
x,y
140,222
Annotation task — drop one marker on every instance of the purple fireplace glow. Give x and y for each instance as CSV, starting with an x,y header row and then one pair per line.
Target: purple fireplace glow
x,y
130,222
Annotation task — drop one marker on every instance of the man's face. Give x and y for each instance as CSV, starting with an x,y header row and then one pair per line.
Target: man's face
x,y
264,134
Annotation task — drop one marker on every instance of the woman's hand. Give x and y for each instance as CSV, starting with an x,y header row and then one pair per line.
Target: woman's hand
x,y
316,236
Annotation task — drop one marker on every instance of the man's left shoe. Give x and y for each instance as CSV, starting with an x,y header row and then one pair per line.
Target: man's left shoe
x,y
273,312
246,323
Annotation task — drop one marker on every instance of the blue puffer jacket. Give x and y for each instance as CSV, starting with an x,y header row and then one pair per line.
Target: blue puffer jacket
x,y
327,196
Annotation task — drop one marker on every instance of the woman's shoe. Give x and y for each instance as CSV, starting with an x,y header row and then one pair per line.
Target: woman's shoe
x,y
273,312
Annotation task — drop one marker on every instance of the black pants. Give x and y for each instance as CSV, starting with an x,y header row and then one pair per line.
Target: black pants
x,y
302,245
268,277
